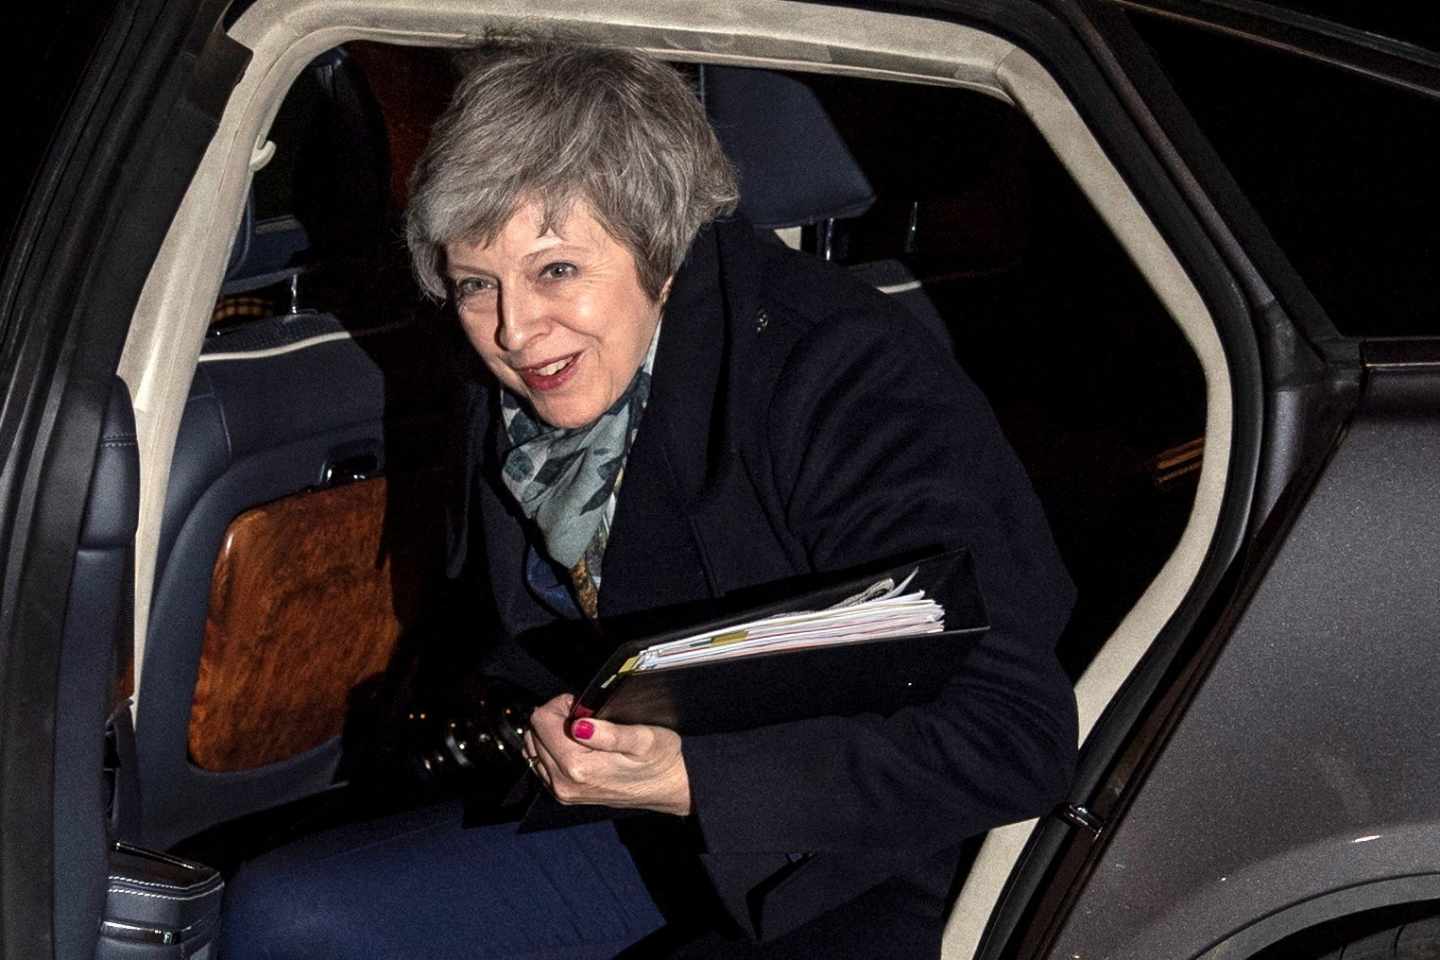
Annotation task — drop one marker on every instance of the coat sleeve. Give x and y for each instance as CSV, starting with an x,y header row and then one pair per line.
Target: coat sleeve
x,y
878,448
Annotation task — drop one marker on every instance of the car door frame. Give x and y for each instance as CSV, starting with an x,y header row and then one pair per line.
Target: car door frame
x,y
133,132
1054,43
1315,381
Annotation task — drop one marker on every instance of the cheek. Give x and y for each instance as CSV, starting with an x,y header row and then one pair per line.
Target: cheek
x,y
480,331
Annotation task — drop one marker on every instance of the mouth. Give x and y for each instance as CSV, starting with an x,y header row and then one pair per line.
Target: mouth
x,y
550,374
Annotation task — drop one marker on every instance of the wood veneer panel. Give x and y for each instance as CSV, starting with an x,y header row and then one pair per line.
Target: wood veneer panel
x,y
309,597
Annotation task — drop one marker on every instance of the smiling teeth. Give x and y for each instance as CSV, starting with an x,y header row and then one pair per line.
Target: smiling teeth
x,y
551,369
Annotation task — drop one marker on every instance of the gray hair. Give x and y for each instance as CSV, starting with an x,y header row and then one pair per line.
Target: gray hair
x,y
559,123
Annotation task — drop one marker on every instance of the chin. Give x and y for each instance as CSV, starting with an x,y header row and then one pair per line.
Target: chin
x,y
568,416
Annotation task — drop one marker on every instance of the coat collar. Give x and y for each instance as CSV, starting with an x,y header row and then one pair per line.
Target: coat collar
x,y
685,444
691,374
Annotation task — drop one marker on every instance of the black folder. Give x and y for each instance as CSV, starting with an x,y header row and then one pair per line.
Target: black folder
x,y
870,676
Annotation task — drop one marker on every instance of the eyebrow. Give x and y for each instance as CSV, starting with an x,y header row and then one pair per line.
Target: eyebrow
x,y
454,267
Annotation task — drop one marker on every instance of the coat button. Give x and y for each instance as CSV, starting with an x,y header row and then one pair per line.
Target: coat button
x,y
762,320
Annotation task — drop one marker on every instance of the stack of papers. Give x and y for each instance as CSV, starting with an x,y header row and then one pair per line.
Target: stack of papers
x,y
882,610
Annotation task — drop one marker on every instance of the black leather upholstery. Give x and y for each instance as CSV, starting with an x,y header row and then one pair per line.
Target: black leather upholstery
x,y
796,170
794,167
244,402
97,619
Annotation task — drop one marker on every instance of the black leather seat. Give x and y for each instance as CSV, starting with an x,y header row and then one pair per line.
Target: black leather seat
x,y
796,171
94,654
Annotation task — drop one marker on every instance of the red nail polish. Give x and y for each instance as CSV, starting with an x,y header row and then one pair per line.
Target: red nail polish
x,y
583,729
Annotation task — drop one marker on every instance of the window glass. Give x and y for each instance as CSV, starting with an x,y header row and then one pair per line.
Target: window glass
x,y
1340,168
1091,379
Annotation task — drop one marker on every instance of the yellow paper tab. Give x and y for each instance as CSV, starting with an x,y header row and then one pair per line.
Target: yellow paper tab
x,y
628,665
734,636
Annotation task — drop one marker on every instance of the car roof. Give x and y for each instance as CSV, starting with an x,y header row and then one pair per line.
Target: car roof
x,y
1412,24
1391,43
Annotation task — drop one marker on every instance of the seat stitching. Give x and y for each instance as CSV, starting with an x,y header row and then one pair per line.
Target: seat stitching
x,y
157,883
224,427
164,896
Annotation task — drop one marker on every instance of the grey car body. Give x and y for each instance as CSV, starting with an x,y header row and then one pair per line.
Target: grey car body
x,y
1300,785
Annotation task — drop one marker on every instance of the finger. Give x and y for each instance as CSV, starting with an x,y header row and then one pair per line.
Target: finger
x,y
558,706
629,738
543,775
531,751
548,724
565,759
544,765
562,772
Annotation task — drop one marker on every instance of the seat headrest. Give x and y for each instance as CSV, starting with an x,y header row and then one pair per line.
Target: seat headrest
x,y
325,192
794,167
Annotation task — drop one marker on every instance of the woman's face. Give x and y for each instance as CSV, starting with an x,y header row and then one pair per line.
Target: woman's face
x,y
559,317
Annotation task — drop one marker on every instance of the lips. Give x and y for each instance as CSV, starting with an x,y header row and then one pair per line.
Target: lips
x,y
550,374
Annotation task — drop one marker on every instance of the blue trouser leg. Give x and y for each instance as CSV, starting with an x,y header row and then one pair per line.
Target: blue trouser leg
x,y
418,885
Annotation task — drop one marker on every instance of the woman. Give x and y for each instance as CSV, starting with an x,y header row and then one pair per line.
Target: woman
x,y
674,412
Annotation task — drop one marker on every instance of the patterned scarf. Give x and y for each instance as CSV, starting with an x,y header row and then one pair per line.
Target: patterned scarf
x,y
566,480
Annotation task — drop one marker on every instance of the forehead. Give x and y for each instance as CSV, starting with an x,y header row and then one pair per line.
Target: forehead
x,y
528,233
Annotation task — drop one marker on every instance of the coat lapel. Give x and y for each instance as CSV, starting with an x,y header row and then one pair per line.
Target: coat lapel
x,y
655,549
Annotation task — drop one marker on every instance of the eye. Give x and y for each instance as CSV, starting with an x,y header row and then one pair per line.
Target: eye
x,y
467,288
558,271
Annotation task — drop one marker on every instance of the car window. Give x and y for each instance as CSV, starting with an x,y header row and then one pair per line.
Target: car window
x,y
1093,383
1338,166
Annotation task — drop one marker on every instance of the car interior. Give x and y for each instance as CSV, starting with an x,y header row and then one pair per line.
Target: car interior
x,y
277,441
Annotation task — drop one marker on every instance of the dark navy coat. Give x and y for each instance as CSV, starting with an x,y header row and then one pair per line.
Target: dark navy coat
x,y
800,422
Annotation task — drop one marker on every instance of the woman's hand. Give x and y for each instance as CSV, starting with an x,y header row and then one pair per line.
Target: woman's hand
x,y
619,765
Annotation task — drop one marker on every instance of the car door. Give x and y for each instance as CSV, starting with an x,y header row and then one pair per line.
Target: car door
x,y
123,103
1263,799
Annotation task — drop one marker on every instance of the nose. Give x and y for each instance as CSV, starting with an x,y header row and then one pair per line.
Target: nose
x,y
521,318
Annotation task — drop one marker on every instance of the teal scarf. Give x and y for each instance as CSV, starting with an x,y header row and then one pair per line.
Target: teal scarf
x,y
566,480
